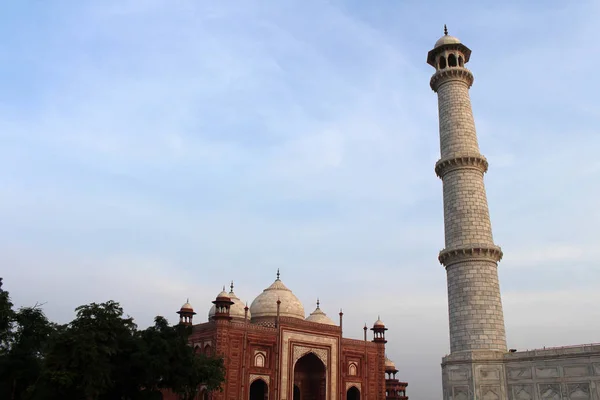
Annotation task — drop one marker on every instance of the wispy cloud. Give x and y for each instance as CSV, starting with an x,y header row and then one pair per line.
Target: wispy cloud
x,y
153,151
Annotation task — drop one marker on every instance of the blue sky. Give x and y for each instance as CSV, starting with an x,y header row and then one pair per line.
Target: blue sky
x,y
152,151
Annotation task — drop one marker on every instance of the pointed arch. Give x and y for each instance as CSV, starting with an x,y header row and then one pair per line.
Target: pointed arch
x,y
452,60
259,390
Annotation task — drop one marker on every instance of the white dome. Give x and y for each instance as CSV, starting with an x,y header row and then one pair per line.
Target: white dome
x,y
320,317
236,310
446,39
265,304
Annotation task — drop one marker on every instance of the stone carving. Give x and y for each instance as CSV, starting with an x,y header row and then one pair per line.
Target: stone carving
x,y
446,165
550,391
490,393
301,351
355,384
459,374
519,373
254,377
489,374
449,73
576,370
578,391
476,253
460,393
546,372
521,392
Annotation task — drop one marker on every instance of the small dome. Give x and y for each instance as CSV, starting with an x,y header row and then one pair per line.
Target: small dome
x,y
223,294
446,39
379,323
320,317
265,304
389,364
237,309
187,306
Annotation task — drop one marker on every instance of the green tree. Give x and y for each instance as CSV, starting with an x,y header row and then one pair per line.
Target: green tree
x,y
25,335
6,319
100,355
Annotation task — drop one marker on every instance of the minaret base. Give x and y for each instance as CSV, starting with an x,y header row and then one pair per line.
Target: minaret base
x,y
474,375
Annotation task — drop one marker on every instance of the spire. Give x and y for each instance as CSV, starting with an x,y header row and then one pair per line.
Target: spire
x,y
445,30
318,303
223,287
277,273
187,300
231,286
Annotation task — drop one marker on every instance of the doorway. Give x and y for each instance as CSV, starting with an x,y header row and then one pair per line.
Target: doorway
x,y
259,390
310,378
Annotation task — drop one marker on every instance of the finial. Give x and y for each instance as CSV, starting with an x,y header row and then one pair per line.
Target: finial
x,y
278,300
318,303
379,317
187,300
277,273
445,30
231,286
223,287
365,328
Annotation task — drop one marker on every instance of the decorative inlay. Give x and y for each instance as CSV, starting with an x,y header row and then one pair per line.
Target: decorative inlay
x,y
355,384
519,373
473,161
490,393
452,73
489,374
521,392
254,377
546,372
550,391
576,370
484,252
460,392
301,351
459,374
579,391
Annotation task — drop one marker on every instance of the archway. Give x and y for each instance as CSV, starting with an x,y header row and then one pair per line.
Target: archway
x,y
259,390
353,394
310,378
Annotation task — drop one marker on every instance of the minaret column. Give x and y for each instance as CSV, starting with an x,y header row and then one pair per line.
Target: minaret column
x,y
470,255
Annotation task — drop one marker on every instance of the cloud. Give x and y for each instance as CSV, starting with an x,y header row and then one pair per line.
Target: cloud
x,y
153,152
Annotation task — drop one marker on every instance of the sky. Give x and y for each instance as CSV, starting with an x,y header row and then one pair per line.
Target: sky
x,y
152,151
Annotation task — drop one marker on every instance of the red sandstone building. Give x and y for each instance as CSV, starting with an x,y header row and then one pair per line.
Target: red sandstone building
x,y
272,352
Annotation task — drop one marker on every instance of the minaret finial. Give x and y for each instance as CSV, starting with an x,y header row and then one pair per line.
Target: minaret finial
x,y
445,30
231,286
223,287
318,303
277,273
187,300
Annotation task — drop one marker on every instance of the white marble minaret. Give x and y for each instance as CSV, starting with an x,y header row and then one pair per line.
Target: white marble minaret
x,y
477,337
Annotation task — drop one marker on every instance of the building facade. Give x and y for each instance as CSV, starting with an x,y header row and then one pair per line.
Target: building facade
x,y
272,351
479,365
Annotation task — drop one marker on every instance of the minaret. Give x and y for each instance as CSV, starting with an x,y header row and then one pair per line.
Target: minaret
x,y
470,255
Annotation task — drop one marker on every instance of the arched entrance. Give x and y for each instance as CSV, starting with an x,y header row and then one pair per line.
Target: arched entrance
x,y
259,390
353,394
310,378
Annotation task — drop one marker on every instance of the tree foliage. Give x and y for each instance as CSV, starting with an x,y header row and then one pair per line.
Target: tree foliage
x,y
99,355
